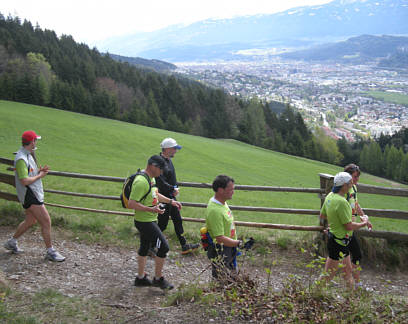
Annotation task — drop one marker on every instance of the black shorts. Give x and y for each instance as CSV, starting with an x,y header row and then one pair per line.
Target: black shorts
x,y
30,199
335,248
151,233
354,248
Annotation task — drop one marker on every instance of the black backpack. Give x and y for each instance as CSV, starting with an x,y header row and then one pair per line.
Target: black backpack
x,y
127,188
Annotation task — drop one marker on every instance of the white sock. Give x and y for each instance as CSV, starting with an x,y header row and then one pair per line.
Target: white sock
x,y
13,240
51,249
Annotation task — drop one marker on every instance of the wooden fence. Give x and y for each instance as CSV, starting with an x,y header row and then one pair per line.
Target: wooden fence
x,y
326,183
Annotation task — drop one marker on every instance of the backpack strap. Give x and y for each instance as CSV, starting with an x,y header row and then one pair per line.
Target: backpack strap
x,y
148,181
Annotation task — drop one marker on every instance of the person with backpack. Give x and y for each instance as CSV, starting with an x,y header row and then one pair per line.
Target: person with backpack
x,y
167,184
28,181
351,197
338,213
144,199
220,225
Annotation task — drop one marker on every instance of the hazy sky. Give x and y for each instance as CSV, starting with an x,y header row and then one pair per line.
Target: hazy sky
x,y
91,20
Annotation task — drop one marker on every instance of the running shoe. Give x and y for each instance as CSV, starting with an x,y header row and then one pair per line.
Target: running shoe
x,y
162,283
54,256
143,282
12,246
188,248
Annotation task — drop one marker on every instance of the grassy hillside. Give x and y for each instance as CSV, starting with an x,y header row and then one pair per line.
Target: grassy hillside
x,y
86,144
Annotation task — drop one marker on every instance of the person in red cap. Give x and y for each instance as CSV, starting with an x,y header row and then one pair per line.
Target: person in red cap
x,y
31,195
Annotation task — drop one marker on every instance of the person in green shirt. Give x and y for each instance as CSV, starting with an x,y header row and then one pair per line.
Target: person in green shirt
x,y
351,197
338,213
144,199
220,225
28,181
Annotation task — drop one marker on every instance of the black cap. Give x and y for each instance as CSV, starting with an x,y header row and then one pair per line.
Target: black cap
x,y
157,161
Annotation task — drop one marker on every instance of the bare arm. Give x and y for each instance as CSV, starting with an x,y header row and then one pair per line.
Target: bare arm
x,y
29,180
355,226
167,200
133,204
222,239
360,212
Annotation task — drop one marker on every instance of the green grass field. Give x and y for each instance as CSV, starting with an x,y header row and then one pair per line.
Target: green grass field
x,y
398,98
85,144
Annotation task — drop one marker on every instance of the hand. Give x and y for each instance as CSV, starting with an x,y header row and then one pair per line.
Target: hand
x,y
369,226
177,204
364,219
157,209
45,168
176,192
43,171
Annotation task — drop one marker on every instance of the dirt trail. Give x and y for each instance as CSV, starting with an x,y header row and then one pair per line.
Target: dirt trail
x,y
106,273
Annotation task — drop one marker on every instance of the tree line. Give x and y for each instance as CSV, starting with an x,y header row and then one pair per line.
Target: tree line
x,y
38,67
386,156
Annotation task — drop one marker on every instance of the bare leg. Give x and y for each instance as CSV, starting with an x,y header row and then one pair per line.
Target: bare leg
x,y
141,264
159,262
43,218
348,275
356,272
331,268
26,224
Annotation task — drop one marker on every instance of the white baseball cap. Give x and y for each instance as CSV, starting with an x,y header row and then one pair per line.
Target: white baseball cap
x,y
169,142
341,178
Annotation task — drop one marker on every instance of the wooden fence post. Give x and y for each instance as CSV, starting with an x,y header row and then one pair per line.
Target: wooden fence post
x,y
326,185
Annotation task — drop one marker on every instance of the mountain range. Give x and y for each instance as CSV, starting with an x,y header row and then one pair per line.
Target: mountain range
x,y
240,37
362,49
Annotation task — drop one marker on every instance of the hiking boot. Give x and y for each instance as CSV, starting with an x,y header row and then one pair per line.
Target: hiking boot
x,y
188,248
144,282
162,283
54,256
12,246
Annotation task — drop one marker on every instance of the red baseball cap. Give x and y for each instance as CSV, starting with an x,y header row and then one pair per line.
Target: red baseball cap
x,y
29,136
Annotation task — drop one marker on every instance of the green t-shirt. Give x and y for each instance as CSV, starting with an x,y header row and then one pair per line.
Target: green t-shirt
x,y
140,187
338,212
351,197
219,220
22,170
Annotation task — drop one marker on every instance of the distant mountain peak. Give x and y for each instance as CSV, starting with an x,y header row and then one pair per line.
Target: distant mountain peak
x,y
294,28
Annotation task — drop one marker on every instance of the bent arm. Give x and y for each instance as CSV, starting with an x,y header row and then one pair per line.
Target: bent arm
x,y
133,204
170,201
29,180
222,239
355,226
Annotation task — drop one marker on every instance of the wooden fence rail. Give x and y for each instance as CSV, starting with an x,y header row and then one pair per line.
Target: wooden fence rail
x,y
326,183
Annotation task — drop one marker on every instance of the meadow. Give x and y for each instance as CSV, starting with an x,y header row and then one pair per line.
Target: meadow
x,y
398,98
79,143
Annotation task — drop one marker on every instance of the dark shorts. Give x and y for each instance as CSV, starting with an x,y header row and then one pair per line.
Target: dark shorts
x,y
335,248
151,233
354,248
222,258
30,199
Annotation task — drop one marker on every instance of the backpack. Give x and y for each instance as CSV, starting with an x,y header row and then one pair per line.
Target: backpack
x,y
127,188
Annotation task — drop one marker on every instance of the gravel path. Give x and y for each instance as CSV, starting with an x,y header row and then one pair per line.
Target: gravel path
x,y
106,273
